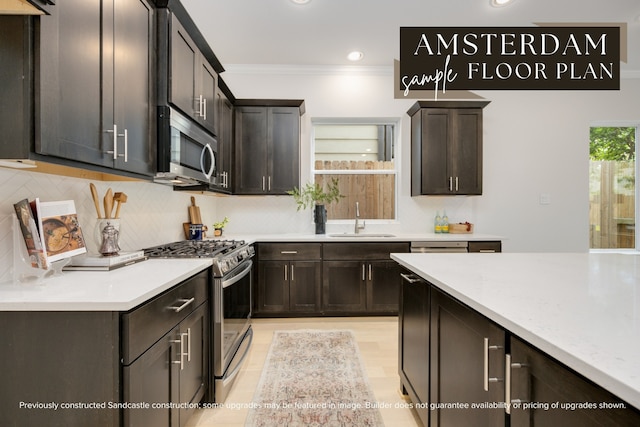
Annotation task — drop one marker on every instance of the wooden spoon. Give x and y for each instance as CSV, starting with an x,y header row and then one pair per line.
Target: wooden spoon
x,y
119,199
108,203
96,202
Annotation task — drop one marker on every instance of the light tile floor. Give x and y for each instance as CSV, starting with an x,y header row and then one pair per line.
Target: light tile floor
x,y
377,339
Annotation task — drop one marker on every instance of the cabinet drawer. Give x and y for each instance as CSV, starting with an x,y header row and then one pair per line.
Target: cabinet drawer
x,y
144,325
362,251
495,246
290,251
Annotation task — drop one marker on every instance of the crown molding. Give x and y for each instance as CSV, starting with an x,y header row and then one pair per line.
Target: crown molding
x,y
283,69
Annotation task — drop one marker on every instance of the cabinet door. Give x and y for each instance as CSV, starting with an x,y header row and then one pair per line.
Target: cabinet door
x,y
467,364
413,348
69,115
194,358
343,286
304,286
537,378
208,79
149,379
15,87
283,158
430,136
251,150
383,286
273,287
224,125
466,151
184,53
129,105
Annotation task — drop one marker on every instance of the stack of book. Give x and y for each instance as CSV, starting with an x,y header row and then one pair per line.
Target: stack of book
x,y
105,263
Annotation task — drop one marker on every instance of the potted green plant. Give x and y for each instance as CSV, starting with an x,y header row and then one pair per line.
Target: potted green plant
x,y
219,226
315,195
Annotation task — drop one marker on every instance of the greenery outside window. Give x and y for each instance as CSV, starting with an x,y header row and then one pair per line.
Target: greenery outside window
x,y
613,193
361,157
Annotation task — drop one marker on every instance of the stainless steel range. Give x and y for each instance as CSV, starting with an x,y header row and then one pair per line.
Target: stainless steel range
x,y
230,300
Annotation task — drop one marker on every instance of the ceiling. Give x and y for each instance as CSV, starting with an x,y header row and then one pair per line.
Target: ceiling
x,y
322,32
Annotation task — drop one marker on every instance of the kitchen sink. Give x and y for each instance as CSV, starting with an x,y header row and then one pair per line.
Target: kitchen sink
x,y
362,235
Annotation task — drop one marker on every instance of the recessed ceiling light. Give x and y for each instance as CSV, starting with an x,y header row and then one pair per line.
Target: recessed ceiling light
x,y
355,56
500,3
300,1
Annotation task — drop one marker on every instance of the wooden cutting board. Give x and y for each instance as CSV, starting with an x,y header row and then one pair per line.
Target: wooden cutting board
x,y
194,212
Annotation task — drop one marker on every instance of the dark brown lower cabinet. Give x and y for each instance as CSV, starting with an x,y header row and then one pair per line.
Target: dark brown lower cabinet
x,y
289,286
545,393
472,372
413,342
344,287
467,357
172,370
101,364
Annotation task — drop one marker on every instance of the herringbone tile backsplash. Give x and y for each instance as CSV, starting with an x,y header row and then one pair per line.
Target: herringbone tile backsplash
x,y
152,215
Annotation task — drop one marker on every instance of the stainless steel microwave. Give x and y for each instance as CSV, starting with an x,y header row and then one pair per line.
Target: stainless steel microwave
x,y
187,154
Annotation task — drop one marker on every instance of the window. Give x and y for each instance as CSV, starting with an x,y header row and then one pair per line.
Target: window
x,y
613,194
361,157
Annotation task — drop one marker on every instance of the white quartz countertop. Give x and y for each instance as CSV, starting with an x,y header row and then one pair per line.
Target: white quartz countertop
x,y
116,290
582,309
367,236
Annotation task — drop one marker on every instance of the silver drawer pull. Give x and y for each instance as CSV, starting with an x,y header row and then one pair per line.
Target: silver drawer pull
x,y
185,304
410,278
288,252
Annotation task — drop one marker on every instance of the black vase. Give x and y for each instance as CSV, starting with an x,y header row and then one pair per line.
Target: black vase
x,y
320,218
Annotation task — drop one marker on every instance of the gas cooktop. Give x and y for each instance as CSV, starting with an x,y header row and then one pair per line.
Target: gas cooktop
x,y
225,254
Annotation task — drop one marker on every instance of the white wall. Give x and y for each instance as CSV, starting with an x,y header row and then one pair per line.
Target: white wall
x,y
535,143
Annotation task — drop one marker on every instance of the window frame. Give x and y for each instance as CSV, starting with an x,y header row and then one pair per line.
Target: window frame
x,y
395,153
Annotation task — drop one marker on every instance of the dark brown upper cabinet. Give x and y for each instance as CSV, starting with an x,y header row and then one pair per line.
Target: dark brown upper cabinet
x,y
446,147
267,146
193,79
95,85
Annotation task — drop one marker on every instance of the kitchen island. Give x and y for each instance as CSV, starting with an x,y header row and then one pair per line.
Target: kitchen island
x,y
582,310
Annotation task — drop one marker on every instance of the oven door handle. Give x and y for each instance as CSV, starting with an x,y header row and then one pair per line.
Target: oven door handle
x,y
239,276
213,161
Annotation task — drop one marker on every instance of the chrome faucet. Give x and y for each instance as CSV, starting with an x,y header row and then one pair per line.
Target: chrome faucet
x,y
358,227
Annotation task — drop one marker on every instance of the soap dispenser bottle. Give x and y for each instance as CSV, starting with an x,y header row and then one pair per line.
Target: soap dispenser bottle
x,y
445,222
437,225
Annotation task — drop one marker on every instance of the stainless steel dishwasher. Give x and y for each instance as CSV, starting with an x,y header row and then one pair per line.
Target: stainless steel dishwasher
x,y
439,247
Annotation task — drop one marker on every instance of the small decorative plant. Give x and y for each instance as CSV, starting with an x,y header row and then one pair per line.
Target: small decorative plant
x,y
314,194
218,226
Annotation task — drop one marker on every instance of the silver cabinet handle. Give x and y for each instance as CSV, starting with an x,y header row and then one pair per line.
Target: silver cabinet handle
x,y
293,277
189,345
450,183
288,252
507,383
126,145
181,354
285,271
409,278
486,378
263,184
185,304
204,108
269,184
508,366
370,275
456,184
487,251
114,131
363,272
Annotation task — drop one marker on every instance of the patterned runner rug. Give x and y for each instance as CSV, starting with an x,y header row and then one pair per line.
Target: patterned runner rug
x,y
314,378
